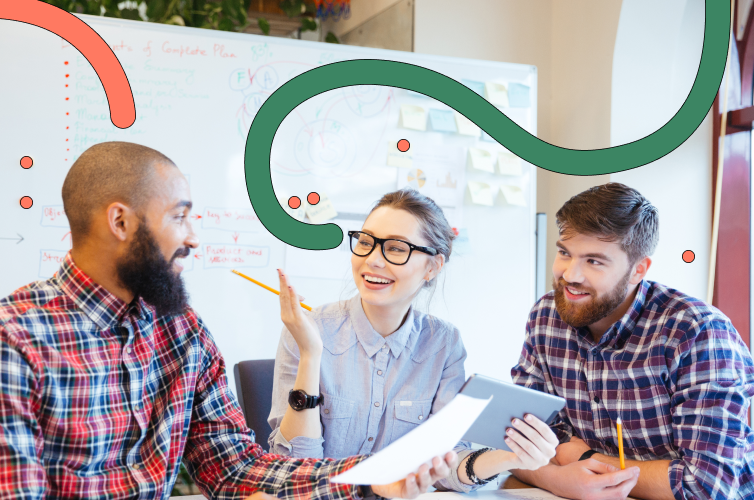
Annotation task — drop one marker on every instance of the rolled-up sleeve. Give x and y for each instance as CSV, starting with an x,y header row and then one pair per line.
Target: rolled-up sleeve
x,y
286,368
714,379
528,373
453,378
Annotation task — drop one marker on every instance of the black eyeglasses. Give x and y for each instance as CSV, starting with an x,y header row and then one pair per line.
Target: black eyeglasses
x,y
395,251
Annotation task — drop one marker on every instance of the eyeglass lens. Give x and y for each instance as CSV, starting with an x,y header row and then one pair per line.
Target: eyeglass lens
x,y
394,251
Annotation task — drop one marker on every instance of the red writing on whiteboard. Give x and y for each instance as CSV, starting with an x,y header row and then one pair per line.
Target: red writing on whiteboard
x,y
182,50
58,259
52,213
219,51
122,47
230,250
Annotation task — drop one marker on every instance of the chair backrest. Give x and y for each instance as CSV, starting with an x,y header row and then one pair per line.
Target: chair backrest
x,y
254,390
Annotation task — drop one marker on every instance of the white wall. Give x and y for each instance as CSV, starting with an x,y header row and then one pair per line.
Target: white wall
x,y
657,52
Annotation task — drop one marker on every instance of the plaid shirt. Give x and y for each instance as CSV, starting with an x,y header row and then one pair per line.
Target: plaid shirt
x,y
100,399
673,369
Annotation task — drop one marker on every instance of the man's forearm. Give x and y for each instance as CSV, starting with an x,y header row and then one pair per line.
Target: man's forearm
x,y
538,478
653,484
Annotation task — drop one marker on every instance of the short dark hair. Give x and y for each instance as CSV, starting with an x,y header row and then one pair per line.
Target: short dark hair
x,y
613,212
106,173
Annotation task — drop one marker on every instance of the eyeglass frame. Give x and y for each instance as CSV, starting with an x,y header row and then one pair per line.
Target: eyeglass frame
x,y
428,250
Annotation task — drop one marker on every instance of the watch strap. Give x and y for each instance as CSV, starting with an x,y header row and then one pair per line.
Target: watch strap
x,y
587,454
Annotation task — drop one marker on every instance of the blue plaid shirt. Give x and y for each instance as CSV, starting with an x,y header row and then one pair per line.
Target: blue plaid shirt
x,y
673,369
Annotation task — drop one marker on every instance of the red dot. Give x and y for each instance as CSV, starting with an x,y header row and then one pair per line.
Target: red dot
x,y
66,63
67,76
27,162
67,128
67,114
688,256
66,85
403,145
66,140
294,202
26,202
312,199
67,98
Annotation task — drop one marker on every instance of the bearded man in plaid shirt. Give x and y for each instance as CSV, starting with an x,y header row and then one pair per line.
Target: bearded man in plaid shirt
x,y
108,379
615,345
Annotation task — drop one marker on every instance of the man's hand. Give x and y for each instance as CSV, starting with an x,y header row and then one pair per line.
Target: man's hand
x,y
570,452
261,495
416,484
593,480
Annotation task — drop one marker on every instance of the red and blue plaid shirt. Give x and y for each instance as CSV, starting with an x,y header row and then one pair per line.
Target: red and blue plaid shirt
x,y
100,399
673,369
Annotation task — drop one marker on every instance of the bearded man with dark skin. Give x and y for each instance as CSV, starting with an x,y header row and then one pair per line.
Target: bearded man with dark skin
x,y
109,379
673,369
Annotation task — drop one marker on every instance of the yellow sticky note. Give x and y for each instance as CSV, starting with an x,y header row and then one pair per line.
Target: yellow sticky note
x,y
496,93
480,159
297,213
481,193
322,211
397,158
413,117
466,126
508,164
513,195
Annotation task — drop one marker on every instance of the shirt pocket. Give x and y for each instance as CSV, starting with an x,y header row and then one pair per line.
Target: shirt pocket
x,y
336,415
408,415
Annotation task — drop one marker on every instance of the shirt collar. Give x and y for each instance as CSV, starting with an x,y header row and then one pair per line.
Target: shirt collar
x,y
623,328
102,307
368,336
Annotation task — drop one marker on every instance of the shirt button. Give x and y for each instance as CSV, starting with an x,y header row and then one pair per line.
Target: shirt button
x,y
379,372
371,439
136,466
377,403
420,417
327,412
384,346
128,350
597,399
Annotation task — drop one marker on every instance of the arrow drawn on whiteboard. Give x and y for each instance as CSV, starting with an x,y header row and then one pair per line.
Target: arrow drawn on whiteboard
x,y
20,238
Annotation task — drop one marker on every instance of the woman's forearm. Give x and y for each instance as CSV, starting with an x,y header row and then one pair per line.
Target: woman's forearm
x,y
487,465
305,422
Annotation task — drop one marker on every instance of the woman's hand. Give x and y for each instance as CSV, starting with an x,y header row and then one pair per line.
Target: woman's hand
x,y
301,326
535,452
416,484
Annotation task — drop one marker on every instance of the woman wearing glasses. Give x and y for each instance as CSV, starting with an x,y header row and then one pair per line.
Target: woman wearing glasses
x,y
351,377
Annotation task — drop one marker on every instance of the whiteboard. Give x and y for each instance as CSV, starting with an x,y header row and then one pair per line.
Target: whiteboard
x,y
196,93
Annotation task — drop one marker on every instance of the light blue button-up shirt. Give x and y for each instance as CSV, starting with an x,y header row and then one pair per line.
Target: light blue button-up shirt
x,y
376,388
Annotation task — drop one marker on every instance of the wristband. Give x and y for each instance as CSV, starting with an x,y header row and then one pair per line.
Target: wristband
x,y
470,468
365,492
587,454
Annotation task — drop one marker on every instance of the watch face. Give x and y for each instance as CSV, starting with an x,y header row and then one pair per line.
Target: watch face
x,y
297,399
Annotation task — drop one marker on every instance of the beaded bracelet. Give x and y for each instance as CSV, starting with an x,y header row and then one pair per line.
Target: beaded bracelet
x,y
470,468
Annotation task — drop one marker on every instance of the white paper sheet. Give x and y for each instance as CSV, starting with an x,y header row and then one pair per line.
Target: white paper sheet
x,y
437,436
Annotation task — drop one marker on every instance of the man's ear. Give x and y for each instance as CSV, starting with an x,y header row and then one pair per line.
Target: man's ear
x,y
121,221
640,270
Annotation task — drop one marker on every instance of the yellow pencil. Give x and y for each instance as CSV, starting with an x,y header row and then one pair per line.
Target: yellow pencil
x,y
268,288
620,444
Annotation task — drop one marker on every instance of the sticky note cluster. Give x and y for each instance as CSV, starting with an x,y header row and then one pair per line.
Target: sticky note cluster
x,y
483,193
483,161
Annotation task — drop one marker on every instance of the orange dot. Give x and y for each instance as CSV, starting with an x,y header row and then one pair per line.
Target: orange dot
x,y
294,202
312,199
66,63
67,128
403,145
27,162
67,75
66,85
688,256
67,98
67,114
26,202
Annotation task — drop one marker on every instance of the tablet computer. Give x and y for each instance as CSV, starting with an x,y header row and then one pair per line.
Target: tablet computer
x,y
508,401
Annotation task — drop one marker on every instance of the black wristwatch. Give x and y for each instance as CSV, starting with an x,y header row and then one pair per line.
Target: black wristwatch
x,y
587,454
365,492
299,400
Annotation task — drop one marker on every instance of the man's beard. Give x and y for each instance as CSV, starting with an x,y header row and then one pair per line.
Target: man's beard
x,y
595,309
146,274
